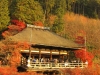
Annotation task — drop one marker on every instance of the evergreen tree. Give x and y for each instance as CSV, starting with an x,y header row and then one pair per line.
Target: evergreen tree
x,y
4,14
47,6
12,7
91,9
60,8
69,5
28,11
58,25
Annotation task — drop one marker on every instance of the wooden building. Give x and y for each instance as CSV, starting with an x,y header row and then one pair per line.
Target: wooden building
x,y
44,43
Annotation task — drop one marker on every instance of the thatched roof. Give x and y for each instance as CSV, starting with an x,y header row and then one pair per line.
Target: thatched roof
x,y
44,37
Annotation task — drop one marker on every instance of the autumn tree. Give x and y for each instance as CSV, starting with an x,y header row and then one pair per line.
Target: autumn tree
x,y
4,14
59,10
80,38
27,11
85,56
15,27
12,50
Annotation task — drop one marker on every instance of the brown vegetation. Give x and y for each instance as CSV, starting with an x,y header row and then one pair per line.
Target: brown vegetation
x,y
75,23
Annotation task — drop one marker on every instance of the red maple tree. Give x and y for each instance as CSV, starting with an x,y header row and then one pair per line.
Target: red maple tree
x,y
84,55
15,27
80,37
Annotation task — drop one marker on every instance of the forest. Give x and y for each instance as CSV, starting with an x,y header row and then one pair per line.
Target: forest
x,y
43,10
67,18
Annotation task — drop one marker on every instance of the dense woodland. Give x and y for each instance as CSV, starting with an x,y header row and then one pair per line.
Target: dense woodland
x,y
58,15
67,18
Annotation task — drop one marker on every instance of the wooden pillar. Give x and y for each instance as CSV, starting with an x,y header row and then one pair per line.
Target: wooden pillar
x,y
30,43
30,52
68,55
39,53
59,55
63,56
50,54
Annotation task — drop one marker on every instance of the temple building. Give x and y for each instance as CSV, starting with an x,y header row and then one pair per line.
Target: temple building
x,y
44,43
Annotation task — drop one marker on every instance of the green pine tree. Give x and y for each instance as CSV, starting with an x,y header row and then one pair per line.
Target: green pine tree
x,y
28,11
4,14
47,6
58,25
60,8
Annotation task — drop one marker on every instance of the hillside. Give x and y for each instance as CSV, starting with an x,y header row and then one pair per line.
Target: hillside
x,y
89,28
67,18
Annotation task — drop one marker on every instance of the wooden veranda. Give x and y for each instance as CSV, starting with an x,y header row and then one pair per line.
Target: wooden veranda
x,y
54,66
45,43
53,54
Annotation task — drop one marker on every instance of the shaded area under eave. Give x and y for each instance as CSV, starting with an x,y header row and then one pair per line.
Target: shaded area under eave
x,y
43,38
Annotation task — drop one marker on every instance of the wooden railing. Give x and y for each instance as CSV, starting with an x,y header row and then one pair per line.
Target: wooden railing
x,y
48,65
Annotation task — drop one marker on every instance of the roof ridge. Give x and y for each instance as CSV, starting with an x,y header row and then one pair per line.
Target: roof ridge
x,y
38,27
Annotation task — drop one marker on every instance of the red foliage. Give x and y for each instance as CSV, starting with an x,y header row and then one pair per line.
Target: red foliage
x,y
89,71
6,34
14,48
80,37
16,27
18,23
80,40
15,58
38,23
85,71
7,70
75,71
84,56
